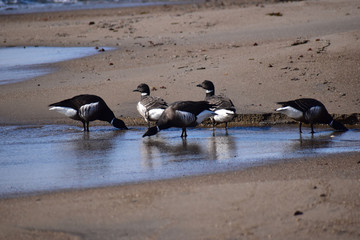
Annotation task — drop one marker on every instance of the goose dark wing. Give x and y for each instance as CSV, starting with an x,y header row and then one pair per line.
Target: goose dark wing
x,y
302,104
221,102
194,107
65,103
78,101
151,102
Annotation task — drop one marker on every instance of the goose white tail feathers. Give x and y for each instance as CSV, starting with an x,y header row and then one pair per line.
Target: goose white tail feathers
x,y
154,114
67,111
204,115
290,112
224,115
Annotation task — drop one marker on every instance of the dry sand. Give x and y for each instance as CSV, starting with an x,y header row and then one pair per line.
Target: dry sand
x,y
248,54
254,57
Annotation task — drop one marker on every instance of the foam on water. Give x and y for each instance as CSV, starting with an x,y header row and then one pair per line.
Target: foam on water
x,y
57,157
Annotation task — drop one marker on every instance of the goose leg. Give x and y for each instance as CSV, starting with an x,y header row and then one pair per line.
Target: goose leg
x,y
84,126
312,129
213,123
300,127
183,133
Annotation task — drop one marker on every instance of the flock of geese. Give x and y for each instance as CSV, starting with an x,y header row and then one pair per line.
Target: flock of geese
x,y
184,114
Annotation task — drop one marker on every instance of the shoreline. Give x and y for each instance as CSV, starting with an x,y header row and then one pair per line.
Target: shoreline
x,y
300,197
241,120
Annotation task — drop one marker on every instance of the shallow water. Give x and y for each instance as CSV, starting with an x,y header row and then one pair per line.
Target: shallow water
x,y
31,6
56,157
23,63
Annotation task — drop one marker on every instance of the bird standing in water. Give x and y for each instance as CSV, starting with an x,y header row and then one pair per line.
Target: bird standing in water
x,y
87,108
149,107
311,111
223,106
182,114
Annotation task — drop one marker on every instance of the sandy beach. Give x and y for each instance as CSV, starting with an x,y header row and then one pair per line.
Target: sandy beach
x,y
303,199
256,54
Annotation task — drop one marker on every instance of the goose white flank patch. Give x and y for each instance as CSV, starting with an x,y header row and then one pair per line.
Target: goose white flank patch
x,y
223,106
310,111
87,108
149,107
182,114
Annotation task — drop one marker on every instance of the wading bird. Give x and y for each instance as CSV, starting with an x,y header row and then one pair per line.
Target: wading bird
x,y
87,108
182,114
149,107
310,111
223,106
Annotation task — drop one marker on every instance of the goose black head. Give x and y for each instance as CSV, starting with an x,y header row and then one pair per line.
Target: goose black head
x,y
143,88
151,131
337,126
207,85
119,124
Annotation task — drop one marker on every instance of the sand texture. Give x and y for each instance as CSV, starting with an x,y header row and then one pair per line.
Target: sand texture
x,y
256,55
252,55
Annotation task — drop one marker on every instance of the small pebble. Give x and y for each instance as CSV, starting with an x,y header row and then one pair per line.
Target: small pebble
x,y
297,213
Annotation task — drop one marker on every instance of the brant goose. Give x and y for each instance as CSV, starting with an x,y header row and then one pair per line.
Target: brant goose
x,y
182,114
149,107
223,106
308,110
86,108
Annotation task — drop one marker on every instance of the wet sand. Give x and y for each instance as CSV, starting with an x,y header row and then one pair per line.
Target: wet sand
x,y
256,55
297,199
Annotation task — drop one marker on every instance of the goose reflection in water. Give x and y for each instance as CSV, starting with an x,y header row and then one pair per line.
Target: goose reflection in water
x,y
315,142
158,151
89,144
222,147
92,151
161,151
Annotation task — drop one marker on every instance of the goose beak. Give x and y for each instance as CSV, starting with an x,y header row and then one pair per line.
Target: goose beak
x,y
199,85
136,90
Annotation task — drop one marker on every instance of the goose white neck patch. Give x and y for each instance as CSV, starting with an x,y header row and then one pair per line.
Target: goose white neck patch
x,y
209,91
144,94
